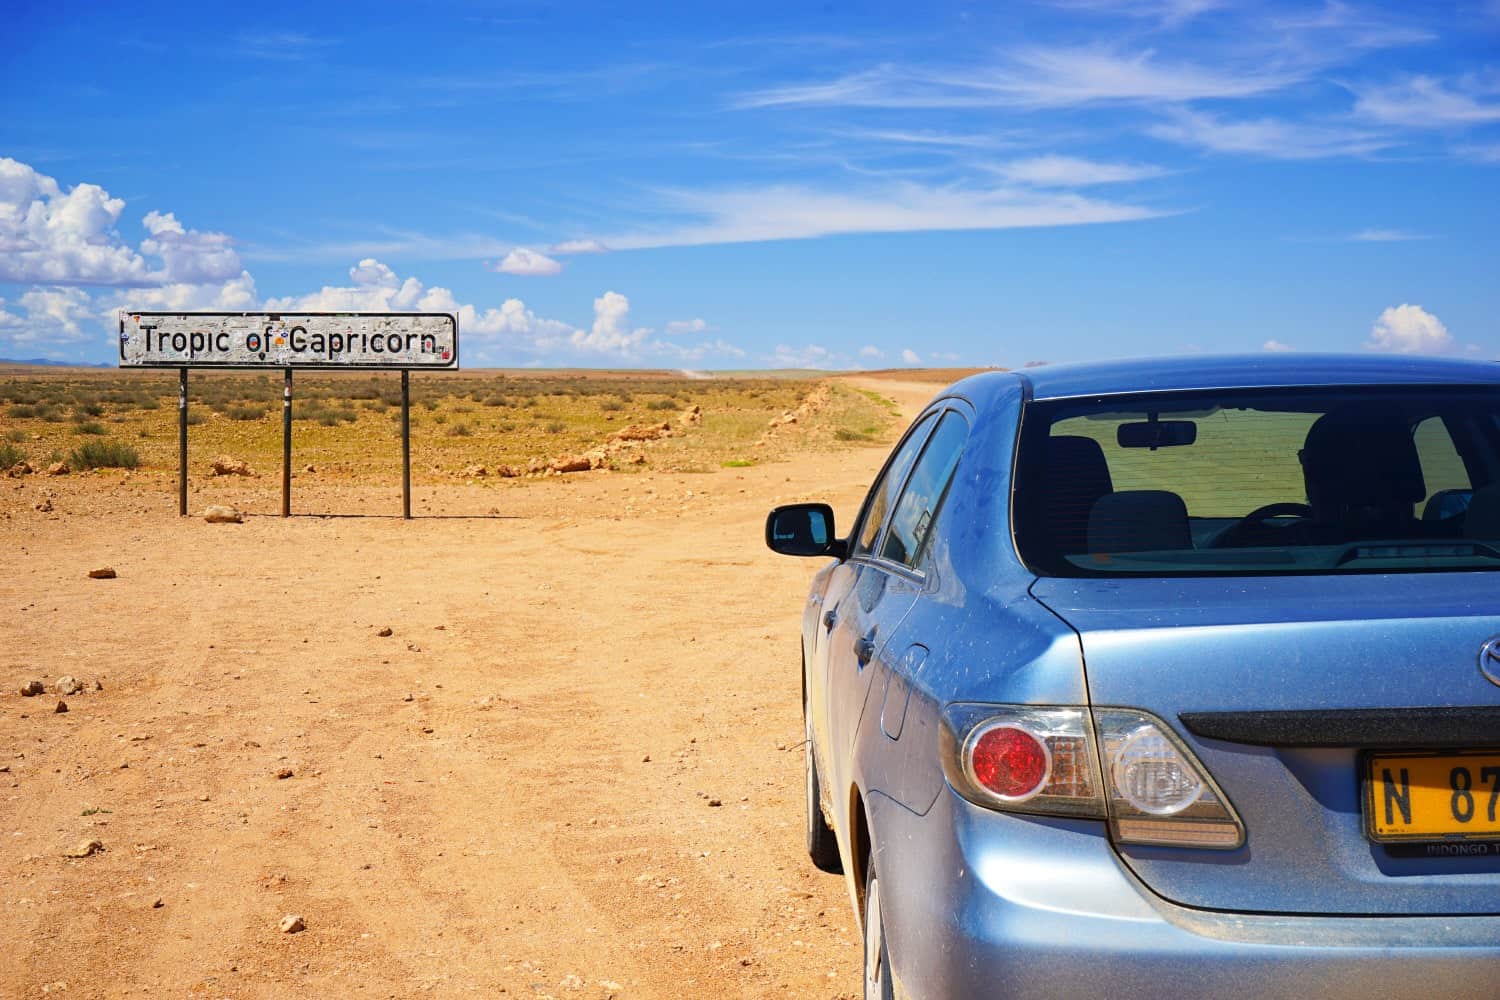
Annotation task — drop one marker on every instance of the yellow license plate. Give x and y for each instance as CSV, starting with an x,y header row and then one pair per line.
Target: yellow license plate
x,y
1433,796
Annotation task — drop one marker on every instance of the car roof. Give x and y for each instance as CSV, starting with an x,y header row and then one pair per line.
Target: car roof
x,y
1243,371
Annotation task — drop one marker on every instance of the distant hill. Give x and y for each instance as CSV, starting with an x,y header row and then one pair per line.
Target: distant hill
x,y
46,362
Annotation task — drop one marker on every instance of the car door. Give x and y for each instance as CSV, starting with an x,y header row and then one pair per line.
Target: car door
x,y
876,594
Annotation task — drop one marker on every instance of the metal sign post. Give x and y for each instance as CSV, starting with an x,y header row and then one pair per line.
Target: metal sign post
x,y
286,446
405,444
182,442
331,341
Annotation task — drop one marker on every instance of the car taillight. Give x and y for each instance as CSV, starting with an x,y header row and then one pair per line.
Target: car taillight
x,y
1022,758
1158,791
1008,761
1126,766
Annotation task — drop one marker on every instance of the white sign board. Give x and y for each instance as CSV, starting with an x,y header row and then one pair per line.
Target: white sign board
x,y
288,340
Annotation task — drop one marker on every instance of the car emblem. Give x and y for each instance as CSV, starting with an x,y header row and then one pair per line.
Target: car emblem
x,y
1489,660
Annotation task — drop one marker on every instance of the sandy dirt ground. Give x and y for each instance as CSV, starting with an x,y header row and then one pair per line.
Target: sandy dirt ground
x,y
572,769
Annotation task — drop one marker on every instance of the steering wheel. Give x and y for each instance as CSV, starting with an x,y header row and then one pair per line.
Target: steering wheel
x,y
1244,531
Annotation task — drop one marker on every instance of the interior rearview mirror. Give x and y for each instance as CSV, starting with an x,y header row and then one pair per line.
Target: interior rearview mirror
x,y
1156,434
803,529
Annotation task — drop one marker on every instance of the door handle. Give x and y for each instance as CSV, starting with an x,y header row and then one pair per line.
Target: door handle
x,y
830,618
864,647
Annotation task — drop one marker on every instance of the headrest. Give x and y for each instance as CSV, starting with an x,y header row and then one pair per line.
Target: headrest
x,y
1361,457
1076,476
1139,521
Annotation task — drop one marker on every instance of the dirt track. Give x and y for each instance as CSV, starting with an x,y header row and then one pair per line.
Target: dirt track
x,y
574,768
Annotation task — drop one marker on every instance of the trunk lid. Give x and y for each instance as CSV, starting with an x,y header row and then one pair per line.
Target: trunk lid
x,y
1352,656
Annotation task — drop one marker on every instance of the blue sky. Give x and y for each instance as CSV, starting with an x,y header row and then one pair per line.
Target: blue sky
x,y
751,185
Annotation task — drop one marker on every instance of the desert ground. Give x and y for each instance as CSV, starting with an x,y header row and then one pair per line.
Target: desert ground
x,y
542,740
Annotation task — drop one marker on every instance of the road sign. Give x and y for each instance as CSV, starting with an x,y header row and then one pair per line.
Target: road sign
x,y
288,340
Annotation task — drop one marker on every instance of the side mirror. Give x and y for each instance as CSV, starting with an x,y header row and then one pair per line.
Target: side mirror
x,y
803,529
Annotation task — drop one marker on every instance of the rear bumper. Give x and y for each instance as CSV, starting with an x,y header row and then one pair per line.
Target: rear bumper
x,y
979,903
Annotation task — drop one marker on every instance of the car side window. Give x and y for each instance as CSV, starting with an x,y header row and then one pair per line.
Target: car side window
x,y
925,487
884,491
1442,469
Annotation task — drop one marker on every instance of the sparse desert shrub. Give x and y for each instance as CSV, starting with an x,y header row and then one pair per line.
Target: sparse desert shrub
x,y
555,427
10,455
92,409
25,411
845,434
441,418
661,404
104,455
460,430
611,405
496,400
16,435
50,413
147,403
241,412
93,427
195,417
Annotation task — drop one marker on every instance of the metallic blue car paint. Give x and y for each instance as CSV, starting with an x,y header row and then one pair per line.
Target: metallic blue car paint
x,y
1252,371
979,902
1225,643
990,904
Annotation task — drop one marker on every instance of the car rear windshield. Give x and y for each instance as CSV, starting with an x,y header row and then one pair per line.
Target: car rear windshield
x,y
1261,482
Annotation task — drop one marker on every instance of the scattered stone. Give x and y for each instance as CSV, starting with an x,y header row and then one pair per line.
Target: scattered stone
x,y
85,849
158,904
102,573
409,698
222,514
44,505
610,986
310,468
32,687
572,463
284,773
413,647
62,707
57,469
509,471
21,468
68,684
715,802
98,685
292,923
226,465
692,416
475,472
646,759
385,633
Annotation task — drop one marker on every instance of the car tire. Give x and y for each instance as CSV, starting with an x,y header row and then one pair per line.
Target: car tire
x,y
822,845
877,965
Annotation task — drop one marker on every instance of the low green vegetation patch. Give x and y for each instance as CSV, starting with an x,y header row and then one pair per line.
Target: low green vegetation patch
x,y
105,454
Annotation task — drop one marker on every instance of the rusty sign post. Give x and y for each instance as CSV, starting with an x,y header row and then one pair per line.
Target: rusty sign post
x,y
330,341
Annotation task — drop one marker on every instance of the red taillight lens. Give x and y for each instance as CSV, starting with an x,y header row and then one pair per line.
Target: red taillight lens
x,y
1009,762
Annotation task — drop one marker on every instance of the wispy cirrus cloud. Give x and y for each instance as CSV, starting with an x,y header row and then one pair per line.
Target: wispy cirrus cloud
x,y
1039,77
786,212
1387,236
1072,171
1271,138
1427,102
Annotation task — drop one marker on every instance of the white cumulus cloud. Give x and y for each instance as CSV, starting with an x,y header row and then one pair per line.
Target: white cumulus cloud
x,y
611,331
910,357
527,262
1276,345
1409,329
871,352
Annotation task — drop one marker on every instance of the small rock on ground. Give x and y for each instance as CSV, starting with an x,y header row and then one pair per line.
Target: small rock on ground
x,y
62,707
223,514
32,687
292,923
103,573
68,684
385,632
85,849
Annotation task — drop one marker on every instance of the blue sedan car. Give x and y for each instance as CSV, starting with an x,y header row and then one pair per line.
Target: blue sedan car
x,y
1174,678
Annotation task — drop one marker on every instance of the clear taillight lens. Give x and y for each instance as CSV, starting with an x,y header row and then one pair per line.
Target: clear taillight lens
x,y
1157,791
1022,758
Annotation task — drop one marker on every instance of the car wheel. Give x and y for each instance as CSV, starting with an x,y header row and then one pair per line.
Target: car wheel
x,y
822,845
878,985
